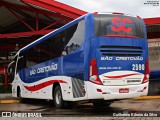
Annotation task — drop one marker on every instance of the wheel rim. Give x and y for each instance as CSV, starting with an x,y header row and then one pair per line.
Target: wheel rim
x,y
58,97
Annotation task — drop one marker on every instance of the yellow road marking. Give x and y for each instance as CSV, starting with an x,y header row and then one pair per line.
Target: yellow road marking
x,y
9,101
147,97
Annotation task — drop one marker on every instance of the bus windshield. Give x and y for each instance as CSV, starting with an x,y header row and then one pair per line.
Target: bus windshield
x,y
119,26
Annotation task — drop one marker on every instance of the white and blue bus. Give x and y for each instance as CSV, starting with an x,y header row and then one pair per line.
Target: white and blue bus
x,y
99,57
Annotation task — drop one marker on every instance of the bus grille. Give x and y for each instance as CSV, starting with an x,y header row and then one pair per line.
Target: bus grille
x,y
122,51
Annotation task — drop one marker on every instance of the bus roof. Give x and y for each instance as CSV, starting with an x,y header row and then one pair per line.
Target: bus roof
x,y
117,13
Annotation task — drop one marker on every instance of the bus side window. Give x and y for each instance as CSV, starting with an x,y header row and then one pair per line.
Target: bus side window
x,y
74,37
21,63
31,57
57,44
61,44
11,70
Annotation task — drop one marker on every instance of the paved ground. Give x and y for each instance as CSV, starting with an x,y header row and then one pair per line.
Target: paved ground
x,y
5,96
134,108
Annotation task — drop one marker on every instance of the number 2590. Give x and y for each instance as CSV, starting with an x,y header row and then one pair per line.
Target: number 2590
x,y
138,67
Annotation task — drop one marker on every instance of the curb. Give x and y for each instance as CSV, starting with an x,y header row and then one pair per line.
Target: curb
x,y
9,101
147,97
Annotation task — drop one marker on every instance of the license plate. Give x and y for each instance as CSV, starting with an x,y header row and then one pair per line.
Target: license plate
x,y
124,90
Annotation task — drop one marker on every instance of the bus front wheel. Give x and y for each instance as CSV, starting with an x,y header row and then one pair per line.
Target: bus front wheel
x,y
19,95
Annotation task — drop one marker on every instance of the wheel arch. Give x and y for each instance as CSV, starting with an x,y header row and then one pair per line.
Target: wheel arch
x,y
18,90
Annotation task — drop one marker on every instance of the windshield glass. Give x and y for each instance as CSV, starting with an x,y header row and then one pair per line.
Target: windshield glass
x,y
118,25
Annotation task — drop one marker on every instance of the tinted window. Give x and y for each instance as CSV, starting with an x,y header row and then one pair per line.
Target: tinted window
x,y
21,63
66,41
51,48
74,37
118,25
32,56
57,44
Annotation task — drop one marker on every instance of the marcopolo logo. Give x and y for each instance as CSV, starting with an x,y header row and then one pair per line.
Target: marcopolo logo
x,y
131,81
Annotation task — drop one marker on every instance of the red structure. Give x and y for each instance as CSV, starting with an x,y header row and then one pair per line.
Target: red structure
x,y
49,8
23,21
153,27
3,71
151,21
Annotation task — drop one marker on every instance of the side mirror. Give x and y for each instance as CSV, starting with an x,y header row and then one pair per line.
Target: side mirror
x,y
10,70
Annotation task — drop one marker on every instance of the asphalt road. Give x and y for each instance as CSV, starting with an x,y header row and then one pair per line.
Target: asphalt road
x,y
116,109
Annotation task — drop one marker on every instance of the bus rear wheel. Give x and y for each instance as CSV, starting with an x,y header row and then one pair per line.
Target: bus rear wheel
x,y
58,100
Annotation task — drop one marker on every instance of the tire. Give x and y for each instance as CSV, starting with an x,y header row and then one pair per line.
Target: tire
x,y
20,97
58,100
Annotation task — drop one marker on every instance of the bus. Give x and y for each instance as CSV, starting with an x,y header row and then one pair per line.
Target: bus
x,y
98,57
